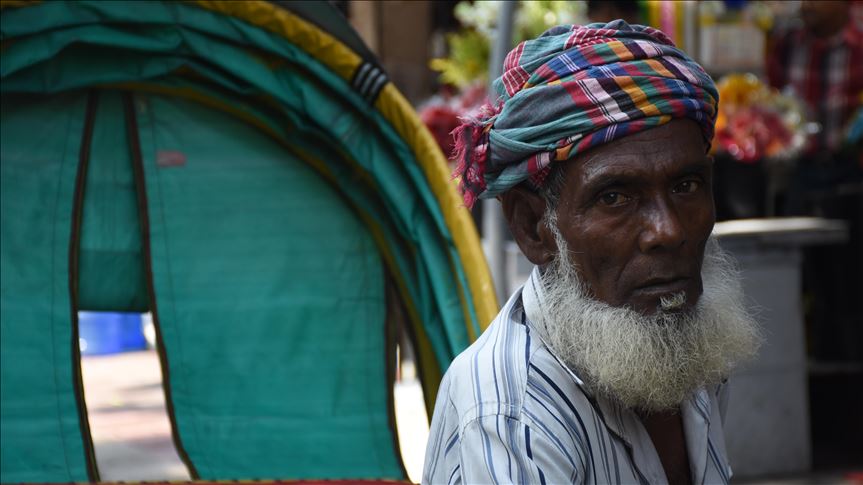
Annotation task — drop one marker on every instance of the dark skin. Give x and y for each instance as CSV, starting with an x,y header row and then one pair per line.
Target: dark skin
x,y
636,214
666,432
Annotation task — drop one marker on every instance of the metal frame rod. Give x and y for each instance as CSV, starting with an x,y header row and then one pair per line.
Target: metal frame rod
x,y
493,224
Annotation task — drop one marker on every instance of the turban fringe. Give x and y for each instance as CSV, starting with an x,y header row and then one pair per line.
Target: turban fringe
x,y
573,88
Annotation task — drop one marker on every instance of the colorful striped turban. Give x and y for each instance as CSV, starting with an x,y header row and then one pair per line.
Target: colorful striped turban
x,y
573,88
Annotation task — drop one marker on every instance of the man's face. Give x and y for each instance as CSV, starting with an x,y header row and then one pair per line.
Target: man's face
x,y
636,214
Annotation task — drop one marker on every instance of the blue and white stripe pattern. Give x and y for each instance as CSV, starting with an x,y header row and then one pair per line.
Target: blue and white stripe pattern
x,y
508,411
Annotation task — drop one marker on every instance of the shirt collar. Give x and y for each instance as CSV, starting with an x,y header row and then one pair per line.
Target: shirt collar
x,y
533,300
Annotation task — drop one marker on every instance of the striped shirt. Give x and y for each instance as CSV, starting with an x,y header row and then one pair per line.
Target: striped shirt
x,y
508,411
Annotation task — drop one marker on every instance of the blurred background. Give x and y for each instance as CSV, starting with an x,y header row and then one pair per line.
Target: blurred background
x,y
788,185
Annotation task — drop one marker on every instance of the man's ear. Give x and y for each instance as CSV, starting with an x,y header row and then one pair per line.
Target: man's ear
x,y
524,212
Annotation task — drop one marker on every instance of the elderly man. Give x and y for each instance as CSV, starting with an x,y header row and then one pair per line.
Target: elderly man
x,y
608,365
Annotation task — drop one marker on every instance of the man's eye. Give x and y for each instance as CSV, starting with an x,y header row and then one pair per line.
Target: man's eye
x,y
612,199
687,187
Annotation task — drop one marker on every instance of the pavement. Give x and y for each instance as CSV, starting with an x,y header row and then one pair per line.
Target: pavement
x,y
132,434
130,427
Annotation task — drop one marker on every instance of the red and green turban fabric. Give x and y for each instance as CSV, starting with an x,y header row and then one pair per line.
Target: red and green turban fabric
x,y
573,88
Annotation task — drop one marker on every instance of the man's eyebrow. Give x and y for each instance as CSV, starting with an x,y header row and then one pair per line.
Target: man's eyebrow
x,y
611,177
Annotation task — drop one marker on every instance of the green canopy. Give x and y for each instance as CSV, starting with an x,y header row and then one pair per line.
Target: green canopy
x,y
246,172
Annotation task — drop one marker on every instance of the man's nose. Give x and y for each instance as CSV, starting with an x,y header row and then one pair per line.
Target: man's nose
x,y
663,228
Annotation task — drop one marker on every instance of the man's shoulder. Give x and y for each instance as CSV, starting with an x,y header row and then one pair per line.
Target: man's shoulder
x,y
490,376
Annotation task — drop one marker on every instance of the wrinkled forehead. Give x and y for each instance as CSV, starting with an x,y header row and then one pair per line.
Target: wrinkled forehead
x,y
670,146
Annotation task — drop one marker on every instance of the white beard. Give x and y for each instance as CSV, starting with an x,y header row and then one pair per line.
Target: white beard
x,y
649,362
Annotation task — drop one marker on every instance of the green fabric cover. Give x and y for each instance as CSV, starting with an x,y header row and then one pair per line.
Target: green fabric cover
x,y
111,267
40,436
173,35
268,282
271,304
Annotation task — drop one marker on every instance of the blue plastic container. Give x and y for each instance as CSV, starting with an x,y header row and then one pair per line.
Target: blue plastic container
x,y
101,333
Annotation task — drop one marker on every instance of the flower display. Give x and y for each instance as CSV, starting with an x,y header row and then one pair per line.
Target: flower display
x,y
756,122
